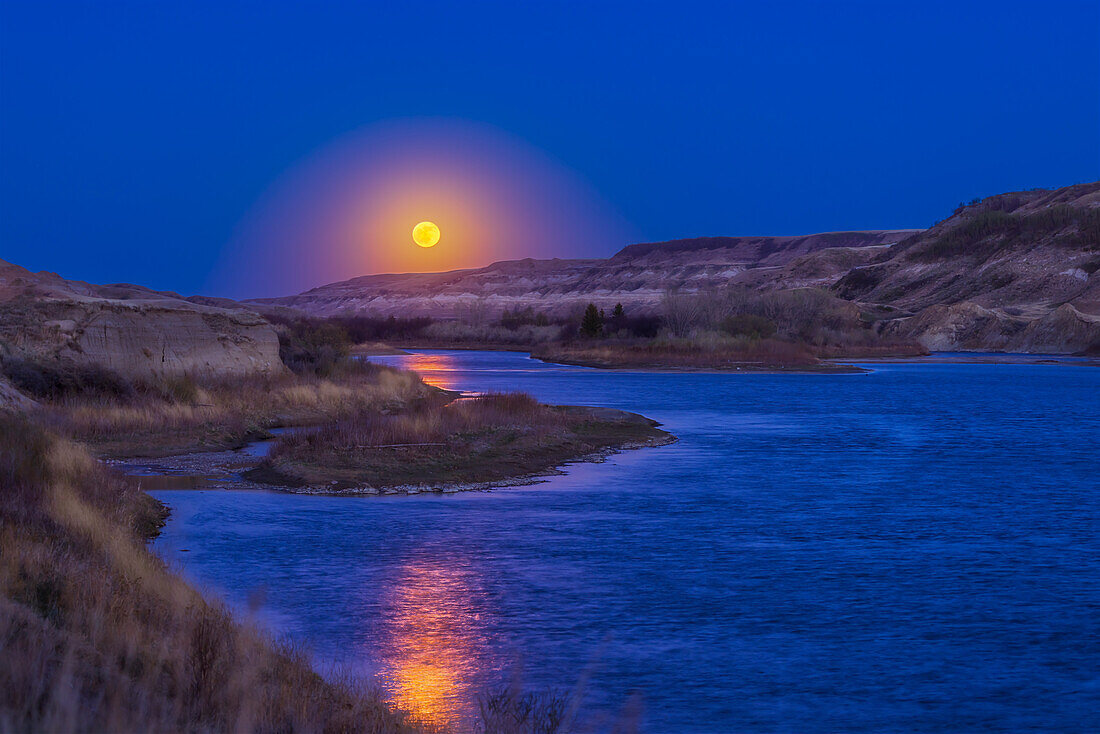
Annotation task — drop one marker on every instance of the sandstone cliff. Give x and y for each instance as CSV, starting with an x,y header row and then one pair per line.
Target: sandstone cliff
x,y
131,330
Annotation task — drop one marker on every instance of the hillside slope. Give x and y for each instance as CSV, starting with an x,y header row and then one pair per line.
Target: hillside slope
x,y
1013,272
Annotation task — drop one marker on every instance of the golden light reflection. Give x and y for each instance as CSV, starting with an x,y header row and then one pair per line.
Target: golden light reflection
x,y
434,649
435,369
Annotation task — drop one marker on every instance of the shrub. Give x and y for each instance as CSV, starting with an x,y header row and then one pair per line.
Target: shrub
x,y
990,231
458,332
807,315
754,327
372,328
178,389
313,346
858,282
57,380
523,317
360,329
645,326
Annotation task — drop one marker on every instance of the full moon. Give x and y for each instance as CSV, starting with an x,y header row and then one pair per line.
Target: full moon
x,y
426,234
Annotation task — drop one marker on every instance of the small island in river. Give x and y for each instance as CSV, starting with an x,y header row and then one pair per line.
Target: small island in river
x,y
471,443
761,356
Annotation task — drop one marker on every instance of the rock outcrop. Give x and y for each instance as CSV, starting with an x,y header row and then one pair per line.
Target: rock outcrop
x,y
960,327
968,327
128,329
1014,272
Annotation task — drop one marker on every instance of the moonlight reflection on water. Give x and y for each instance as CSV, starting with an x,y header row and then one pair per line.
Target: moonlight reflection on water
x,y
433,644
435,369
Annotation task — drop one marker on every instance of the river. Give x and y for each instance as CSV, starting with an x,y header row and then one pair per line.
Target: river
x,y
912,549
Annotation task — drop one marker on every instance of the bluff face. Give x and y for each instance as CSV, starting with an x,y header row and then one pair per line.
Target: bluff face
x,y
131,330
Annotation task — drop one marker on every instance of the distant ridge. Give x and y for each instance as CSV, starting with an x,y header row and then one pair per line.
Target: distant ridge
x,y
636,276
761,247
1018,271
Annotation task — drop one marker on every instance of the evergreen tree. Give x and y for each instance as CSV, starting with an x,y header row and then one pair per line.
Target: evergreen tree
x,y
592,323
618,312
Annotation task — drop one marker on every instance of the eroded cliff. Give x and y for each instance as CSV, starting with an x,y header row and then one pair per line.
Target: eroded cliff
x,y
130,330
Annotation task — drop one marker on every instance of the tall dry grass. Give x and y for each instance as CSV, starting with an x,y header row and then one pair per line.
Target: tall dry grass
x,y
193,414
491,438
706,350
494,411
96,635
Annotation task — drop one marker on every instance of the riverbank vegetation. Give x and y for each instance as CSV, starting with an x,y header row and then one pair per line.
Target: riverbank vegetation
x,y
731,328
96,634
736,330
492,438
686,354
157,416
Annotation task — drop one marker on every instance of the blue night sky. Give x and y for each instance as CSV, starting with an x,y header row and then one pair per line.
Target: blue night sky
x,y
136,137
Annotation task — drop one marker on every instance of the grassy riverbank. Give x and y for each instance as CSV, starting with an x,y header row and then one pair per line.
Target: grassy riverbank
x,y
184,414
755,355
96,634
683,355
494,438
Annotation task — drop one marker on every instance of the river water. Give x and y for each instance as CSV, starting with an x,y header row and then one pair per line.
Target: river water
x,y
913,549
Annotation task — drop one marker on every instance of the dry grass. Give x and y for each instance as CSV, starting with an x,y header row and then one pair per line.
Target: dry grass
x,y
708,350
95,634
491,438
684,354
212,414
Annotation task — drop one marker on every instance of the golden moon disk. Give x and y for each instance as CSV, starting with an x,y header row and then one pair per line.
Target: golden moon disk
x,y
426,234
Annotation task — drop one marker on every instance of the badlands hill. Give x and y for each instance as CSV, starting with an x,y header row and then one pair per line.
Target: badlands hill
x,y
638,276
1013,272
131,330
